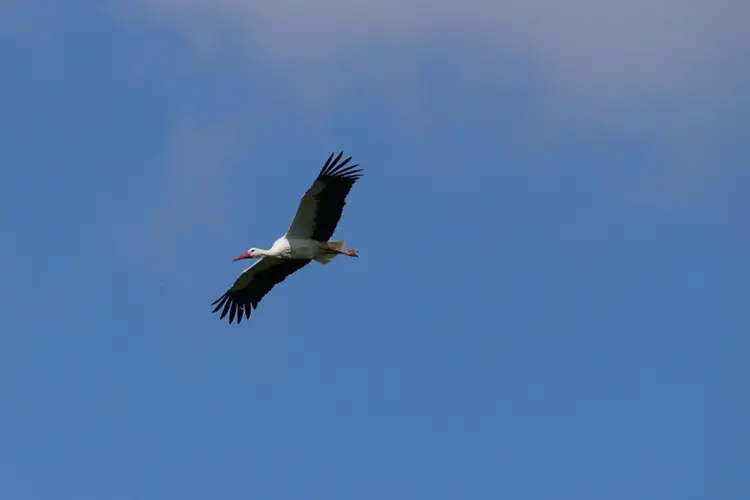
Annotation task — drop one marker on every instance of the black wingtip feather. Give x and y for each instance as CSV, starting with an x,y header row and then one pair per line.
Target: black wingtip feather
x,y
339,169
330,162
224,311
219,302
232,312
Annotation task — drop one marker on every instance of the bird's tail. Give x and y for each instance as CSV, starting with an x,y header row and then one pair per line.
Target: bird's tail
x,y
325,258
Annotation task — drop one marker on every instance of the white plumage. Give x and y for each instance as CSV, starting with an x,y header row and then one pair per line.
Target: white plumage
x,y
307,239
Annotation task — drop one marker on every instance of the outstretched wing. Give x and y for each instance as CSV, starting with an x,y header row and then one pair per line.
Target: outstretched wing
x,y
253,284
321,206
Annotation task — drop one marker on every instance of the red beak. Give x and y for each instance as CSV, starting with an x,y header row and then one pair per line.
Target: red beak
x,y
244,255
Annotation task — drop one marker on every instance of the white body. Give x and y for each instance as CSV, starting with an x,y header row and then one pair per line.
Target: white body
x,y
296,248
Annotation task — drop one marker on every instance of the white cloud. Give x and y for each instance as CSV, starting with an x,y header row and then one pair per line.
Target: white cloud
x,y
671,74
615,50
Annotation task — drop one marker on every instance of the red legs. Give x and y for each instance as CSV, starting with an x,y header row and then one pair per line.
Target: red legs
x,y
349,252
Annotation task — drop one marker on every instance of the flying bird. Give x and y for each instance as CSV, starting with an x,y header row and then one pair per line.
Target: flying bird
x,y
307,239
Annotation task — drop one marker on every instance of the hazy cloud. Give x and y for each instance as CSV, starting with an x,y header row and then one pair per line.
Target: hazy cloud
x,y
189,182
17,22
669,74
596,51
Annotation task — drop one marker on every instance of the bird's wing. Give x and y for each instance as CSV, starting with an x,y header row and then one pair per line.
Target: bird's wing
x,y
253,284
321,206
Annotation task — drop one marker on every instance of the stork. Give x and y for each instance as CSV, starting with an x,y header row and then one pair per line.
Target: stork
x,y
307,239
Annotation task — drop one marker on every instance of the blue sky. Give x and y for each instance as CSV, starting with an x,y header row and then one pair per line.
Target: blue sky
x,y
552,294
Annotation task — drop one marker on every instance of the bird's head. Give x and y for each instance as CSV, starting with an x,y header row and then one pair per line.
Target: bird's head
x,y
251,253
